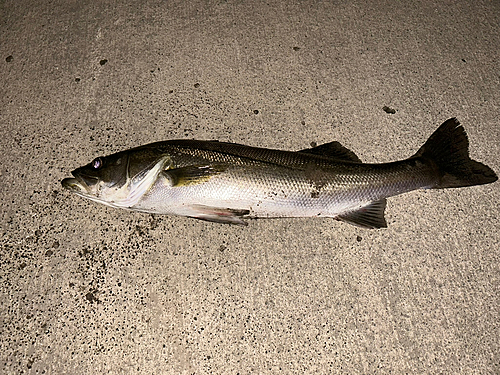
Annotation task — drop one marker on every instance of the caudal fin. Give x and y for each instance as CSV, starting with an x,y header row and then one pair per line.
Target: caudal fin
x,y
448,147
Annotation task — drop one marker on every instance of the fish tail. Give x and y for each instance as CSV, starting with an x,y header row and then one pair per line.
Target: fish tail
x,y
448,148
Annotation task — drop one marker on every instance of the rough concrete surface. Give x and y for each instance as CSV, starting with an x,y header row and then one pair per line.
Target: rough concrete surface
x,y
87,289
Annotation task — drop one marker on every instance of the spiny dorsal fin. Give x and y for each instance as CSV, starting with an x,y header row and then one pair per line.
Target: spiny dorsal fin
x,y
333,150
370,216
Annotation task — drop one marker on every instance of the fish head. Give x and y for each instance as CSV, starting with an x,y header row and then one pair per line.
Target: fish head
x,y
118,180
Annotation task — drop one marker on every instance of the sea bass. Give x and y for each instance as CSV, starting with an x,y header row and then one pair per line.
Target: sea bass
x,y
227,182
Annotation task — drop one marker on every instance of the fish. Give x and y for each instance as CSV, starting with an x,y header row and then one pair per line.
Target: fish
x,y
228,182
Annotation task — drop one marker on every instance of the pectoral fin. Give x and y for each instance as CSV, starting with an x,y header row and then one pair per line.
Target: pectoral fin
x,y
219,215
370,216
192,175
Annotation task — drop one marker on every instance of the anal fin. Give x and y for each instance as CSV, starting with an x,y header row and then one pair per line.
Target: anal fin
x,y
370,216
219,215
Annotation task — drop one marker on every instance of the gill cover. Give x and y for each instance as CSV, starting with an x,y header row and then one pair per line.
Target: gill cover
x,y
118,180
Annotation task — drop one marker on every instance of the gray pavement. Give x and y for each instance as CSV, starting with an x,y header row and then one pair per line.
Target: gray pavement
x,y
86,289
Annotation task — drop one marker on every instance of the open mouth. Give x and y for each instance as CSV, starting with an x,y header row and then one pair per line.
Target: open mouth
x,y
79,184
75,185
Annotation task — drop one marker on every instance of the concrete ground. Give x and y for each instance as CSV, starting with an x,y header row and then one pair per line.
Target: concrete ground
x,y
86,289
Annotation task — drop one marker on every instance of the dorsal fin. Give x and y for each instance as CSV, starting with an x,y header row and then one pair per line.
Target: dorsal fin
x,y
370,216
333,150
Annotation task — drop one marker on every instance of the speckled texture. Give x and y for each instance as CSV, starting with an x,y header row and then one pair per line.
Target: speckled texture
x,y
89,289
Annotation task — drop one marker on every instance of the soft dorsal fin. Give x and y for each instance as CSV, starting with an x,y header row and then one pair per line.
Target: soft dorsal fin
x,y
370,216
333,150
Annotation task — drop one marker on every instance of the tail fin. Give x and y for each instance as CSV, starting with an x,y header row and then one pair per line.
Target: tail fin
x,y
448,147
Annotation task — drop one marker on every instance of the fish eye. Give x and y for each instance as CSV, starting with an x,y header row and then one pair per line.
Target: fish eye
x,y
97,163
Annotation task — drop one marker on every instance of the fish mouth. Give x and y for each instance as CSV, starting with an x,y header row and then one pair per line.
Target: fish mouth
x,y
79,184
75,185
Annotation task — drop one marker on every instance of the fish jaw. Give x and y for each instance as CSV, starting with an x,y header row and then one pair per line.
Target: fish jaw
x,y
75,186
79,187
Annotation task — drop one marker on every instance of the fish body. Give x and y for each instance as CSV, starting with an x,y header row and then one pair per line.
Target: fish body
x,y
227,182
